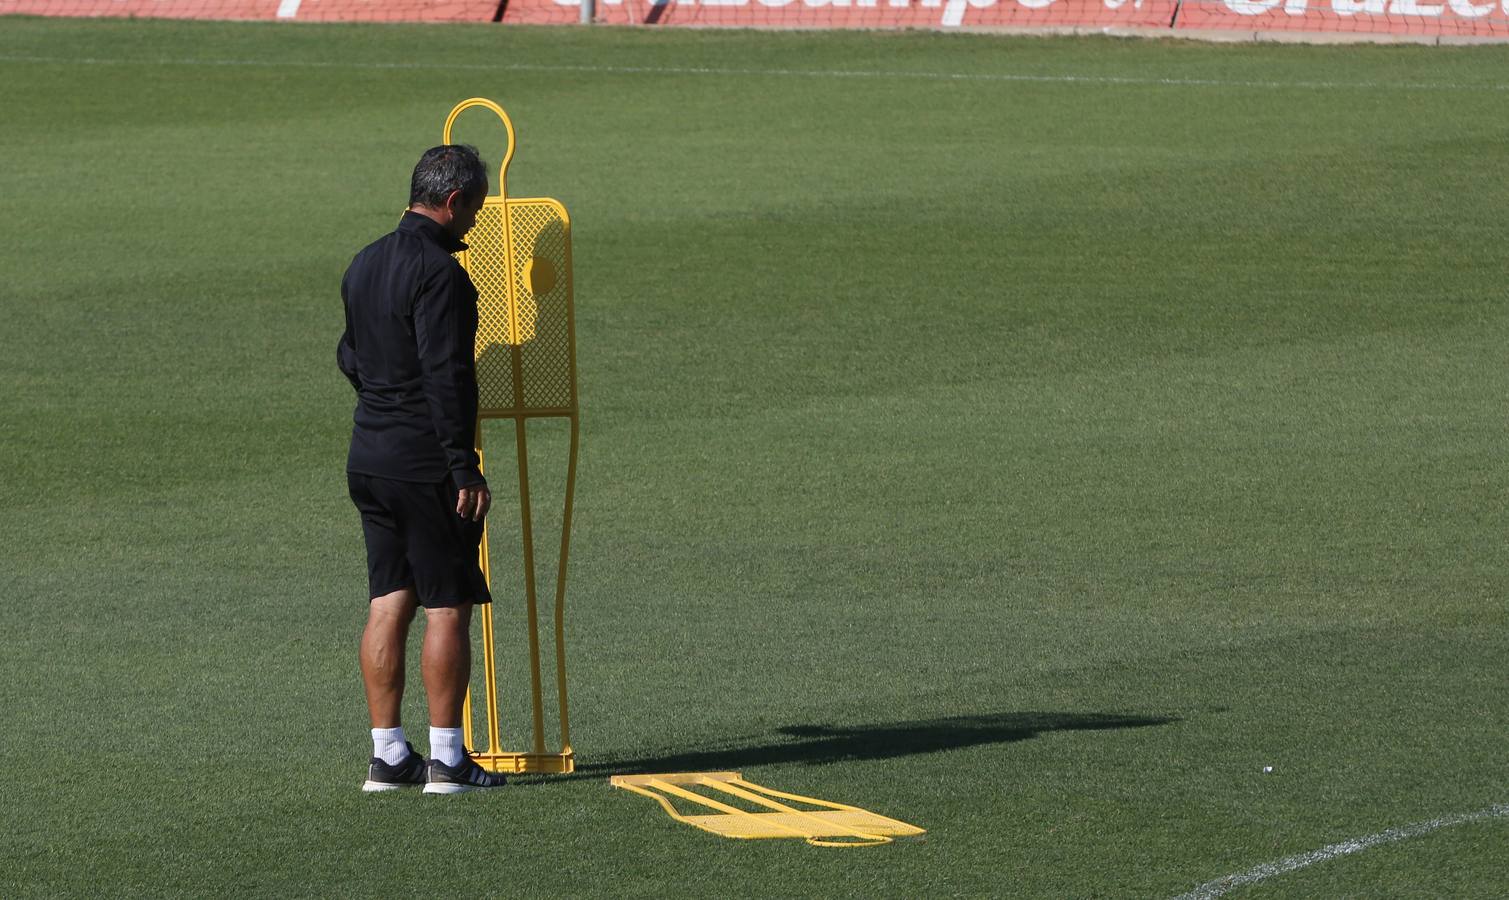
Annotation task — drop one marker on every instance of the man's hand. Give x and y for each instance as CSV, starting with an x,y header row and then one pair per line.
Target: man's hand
x,y
473,502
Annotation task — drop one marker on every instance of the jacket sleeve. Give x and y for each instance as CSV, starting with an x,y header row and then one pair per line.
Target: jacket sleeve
x,y
445,334
345,351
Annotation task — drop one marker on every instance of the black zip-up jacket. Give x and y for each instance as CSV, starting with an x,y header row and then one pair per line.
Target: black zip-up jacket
x,y
411,328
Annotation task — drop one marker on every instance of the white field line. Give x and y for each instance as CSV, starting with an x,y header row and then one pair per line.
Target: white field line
x,y
288,9
774,73
1212,889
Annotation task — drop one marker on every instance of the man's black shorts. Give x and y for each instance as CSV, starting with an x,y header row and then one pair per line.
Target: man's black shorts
x,y
415,539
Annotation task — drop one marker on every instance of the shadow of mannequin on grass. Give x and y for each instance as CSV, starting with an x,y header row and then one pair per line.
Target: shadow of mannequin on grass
x,y
823,744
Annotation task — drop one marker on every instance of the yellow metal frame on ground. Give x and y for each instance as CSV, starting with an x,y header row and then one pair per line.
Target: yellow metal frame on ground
x,y
835,825
519,257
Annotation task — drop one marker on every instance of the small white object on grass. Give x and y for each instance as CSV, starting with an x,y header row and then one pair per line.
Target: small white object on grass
x,y
1267,770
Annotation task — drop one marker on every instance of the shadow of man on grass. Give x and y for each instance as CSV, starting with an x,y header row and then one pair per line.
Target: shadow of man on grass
x,y
822,744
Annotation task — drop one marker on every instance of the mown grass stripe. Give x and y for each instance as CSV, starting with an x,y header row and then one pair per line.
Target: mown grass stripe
x,y
1005,77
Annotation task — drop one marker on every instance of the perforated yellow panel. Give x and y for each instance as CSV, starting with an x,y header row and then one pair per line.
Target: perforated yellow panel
x,y
542,260
519,258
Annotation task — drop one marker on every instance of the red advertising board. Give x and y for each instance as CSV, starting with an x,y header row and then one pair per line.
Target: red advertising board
x,y
853,13
1479,18
302,10
389,11
1473,18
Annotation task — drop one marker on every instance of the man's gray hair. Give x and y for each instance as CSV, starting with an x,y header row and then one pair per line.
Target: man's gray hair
x,y
445,169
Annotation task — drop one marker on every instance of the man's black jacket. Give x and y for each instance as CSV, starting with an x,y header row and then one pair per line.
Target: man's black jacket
x,y
411,326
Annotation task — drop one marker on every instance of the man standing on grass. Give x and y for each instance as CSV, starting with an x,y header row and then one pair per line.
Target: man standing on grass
x,y
413,472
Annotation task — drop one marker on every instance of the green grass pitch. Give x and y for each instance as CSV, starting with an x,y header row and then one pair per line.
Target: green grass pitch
x,y
1030,439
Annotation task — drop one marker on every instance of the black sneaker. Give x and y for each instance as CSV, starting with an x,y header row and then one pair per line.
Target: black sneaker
x,y
383,777
468,776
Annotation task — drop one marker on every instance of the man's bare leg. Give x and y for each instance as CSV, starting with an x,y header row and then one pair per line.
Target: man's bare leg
x,y
447,666
382,654
446,662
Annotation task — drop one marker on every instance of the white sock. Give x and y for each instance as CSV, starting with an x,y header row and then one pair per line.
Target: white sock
x,y
446,746
388,745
